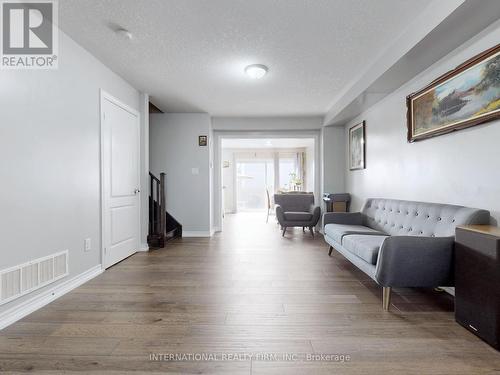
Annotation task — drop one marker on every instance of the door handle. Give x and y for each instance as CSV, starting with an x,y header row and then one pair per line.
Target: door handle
x,y
136,191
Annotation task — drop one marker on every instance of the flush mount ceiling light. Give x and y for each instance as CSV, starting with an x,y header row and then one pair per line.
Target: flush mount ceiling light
x,y
256,71
124,33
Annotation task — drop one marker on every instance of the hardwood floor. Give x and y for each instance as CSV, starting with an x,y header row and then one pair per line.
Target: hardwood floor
x,y
247,290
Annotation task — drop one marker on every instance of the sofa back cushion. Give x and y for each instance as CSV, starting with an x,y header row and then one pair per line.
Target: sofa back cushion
x,y
294,202
408,218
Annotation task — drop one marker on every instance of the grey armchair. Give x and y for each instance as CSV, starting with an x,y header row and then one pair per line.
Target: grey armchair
x,y
296,210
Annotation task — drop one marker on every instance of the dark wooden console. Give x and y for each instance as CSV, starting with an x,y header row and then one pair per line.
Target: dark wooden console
x,y
477,281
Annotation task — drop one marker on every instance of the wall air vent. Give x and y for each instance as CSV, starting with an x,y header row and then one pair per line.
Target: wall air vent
x,y
24,278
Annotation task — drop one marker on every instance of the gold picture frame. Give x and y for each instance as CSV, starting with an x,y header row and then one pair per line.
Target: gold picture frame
x,y
468,95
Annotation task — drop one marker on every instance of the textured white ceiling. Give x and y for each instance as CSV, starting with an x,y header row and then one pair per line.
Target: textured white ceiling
x,y
189,55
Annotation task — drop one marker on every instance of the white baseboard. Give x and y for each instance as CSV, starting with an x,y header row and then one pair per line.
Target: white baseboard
x,y
144,247
36,302
195,233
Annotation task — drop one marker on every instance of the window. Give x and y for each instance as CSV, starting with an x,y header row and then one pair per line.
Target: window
x,y
287,168
252,172
253,176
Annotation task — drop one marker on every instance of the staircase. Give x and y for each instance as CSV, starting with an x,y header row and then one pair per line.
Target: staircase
x,y
162,226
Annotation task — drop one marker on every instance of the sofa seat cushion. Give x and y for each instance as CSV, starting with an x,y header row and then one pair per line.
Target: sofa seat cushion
x,y
338,231
365,247
298,216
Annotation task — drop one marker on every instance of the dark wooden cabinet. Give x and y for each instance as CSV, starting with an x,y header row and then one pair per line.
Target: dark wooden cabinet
x,y
477,281
337,202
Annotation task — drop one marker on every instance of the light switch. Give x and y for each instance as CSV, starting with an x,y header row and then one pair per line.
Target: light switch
x,y
87,244
195,171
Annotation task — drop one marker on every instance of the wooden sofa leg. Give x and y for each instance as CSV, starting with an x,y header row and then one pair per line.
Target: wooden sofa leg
x,y
330,252
386,297
284,231
312,231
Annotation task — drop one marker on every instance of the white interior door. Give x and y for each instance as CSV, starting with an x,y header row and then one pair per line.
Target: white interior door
x,y
120,180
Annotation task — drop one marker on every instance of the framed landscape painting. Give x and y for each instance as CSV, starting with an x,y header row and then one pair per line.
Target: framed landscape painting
x,y
466,96
357,147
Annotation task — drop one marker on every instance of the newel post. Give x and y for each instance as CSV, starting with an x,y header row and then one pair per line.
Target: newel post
x,y
163,208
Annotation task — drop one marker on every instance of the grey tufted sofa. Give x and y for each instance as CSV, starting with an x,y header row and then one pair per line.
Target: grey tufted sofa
x,y
401,243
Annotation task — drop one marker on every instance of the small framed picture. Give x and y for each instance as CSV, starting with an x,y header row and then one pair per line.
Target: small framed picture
x,y
202,140
357,147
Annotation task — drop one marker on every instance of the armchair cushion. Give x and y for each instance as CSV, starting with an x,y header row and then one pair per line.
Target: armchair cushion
x,y
365,247
298,216
338,231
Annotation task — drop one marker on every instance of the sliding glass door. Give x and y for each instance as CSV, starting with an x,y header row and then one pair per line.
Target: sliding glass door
x,y
266,172
253,177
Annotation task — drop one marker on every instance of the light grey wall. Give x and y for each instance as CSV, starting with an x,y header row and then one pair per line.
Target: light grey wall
x,y
458,168
50,159
174,150
266,123
333,142
310,167
211,156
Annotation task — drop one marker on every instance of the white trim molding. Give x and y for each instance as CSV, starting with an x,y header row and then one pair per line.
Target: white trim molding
x,y
219,135
144,247
196,233
38,301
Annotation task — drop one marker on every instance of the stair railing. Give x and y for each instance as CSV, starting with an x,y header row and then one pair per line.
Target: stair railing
x,y
163,227
157,209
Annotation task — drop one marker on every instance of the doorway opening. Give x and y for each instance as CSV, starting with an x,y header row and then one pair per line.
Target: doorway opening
x,y
254,169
